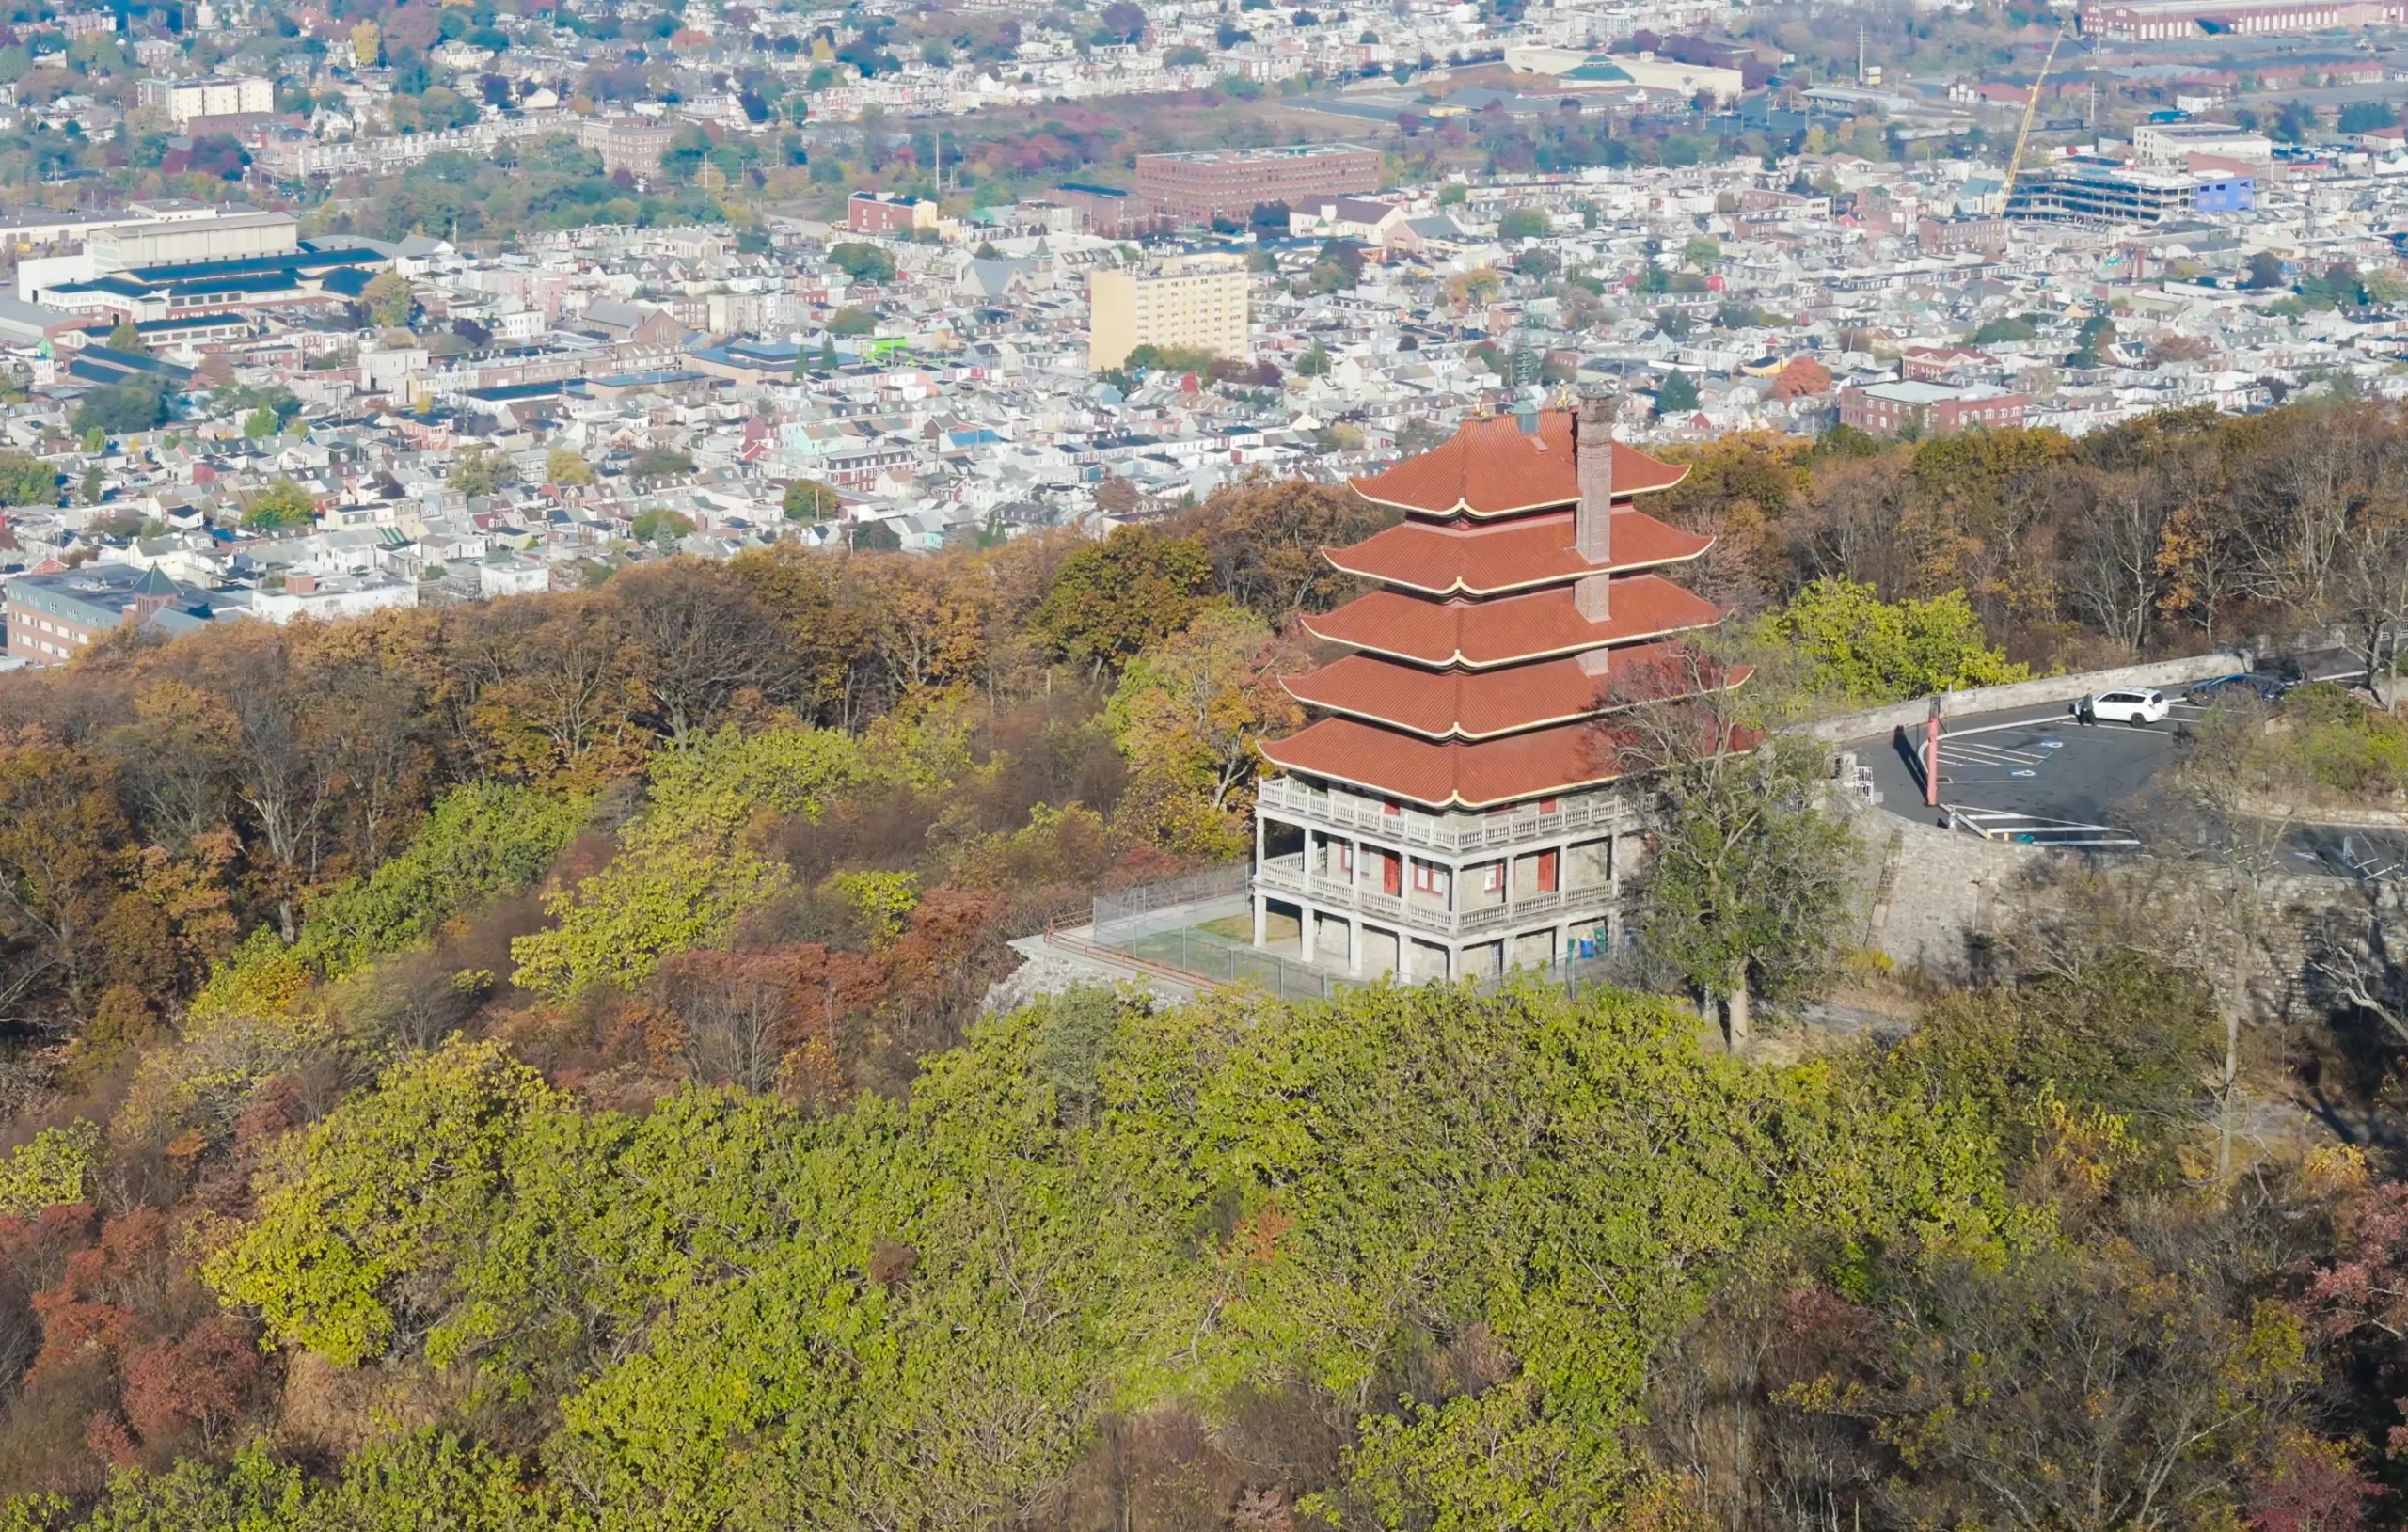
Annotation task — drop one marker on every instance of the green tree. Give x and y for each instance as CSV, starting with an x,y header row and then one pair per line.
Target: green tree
x,y
1524,224
26,480
2098,333
282,506
566,466
686,871
1869,650
388,299
476,471
851,322
125,337
1745,895
662,526
477,843
863,262
1676,394
55,1167
1581,1172
1112,600
807,499
661,463
122,408
332,1259
2367,116
261,423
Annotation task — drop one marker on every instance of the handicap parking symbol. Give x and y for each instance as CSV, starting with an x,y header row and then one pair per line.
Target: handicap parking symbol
x,y
2023,771
2052,743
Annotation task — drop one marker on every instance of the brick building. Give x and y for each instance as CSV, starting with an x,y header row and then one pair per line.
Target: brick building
x,y
629,144
880,213
1231,182
1884,409
53,618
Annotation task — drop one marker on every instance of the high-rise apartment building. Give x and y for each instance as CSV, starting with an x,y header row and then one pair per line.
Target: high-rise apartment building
x,y
1197,303
184,100
1231,182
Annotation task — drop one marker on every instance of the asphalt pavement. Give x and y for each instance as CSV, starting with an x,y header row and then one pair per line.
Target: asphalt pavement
x,y
2036,773
2040,776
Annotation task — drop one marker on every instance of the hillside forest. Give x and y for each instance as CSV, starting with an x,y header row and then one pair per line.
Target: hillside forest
x,y
522,1064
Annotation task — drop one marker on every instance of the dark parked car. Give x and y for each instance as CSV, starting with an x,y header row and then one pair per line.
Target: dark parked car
x,y
2264,687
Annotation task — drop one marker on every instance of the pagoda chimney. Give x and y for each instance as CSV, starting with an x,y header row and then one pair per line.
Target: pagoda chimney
x,y
1593,465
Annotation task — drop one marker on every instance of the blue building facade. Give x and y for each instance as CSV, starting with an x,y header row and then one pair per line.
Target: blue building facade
x,y
2227,194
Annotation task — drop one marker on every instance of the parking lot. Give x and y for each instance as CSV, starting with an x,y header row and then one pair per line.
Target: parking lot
x,y
2035,774
2041,776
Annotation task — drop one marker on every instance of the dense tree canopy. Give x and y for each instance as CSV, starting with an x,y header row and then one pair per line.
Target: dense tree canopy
x,y
527,1062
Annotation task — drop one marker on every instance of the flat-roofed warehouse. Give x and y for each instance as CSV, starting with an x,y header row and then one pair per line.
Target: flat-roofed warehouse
x,y
237,237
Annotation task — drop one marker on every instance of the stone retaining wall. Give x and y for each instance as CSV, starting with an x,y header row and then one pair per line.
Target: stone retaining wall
x,y
1875,722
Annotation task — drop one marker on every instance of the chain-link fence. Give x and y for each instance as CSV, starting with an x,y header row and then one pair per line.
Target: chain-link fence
x,y
1202,926
1131,914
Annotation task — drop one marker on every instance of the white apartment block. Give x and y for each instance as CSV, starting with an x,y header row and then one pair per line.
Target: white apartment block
x,y
184,100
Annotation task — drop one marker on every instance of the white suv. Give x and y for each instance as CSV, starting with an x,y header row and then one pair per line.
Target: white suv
x,y
2136,707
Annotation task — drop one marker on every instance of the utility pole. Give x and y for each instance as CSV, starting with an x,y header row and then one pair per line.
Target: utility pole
x,y
1859,53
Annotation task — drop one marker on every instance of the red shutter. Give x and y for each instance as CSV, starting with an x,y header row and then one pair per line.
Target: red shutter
x,y
1391,871
1546,872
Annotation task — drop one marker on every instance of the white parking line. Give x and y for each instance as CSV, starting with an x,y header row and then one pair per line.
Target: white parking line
x,y
1989,755
2050,719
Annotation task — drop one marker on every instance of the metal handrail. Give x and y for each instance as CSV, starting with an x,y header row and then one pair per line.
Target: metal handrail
x,y
1286,875
1410,827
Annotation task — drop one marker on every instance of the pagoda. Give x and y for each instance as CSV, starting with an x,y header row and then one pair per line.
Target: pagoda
x,y
1461,803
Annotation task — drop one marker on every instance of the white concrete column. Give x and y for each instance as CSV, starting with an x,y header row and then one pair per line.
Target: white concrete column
x,y
1354,945
1307,931
1261,917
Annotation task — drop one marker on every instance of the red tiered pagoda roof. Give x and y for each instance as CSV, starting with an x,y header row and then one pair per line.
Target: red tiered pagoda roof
x,y
1508,630
1484,705
1478,681
1474,775
1464,558
1492,467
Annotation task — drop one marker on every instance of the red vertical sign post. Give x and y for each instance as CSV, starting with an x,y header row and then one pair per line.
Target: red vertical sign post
x,y
1931,757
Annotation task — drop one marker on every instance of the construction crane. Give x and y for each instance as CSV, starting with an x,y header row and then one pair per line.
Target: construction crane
x,y
2024,133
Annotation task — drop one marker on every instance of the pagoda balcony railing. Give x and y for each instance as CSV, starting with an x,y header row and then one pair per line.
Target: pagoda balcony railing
x,y
1286,875
1285,794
